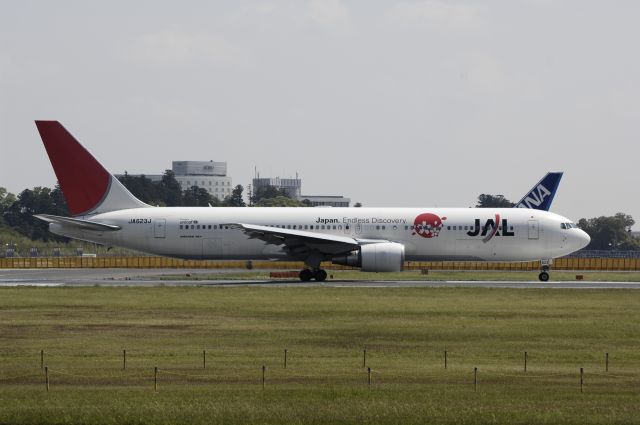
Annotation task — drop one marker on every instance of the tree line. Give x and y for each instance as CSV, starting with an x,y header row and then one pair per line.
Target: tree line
x,y
16,211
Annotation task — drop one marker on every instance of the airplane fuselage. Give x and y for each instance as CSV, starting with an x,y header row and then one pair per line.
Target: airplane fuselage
x,y
505,234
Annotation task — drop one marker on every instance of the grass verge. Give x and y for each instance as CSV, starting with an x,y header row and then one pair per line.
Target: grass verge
x,y
405,331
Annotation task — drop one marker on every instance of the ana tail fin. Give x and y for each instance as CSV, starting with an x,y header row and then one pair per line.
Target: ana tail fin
x,y
87,186
541,195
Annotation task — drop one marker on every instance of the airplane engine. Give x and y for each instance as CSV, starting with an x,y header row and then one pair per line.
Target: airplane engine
x,y
375,257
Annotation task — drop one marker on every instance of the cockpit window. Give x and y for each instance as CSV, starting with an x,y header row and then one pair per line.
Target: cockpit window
x,y
563,225
568,226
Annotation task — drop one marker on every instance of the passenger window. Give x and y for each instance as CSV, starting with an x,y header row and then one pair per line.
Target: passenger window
x,y
346,227
377,227
215,226
334,227
306,226
209,227
294,226
322,227
181,226
383,227
466,227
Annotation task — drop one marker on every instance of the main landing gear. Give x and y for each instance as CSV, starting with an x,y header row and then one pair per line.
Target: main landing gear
x,y
544,274
318,274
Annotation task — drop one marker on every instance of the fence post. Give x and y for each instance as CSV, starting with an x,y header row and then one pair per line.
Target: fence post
x,y
581,378
46,377
364,358
204,359
475,379
285,358
369,377
155,379
525,362
606,362
124,359
41,359
445,359
263,369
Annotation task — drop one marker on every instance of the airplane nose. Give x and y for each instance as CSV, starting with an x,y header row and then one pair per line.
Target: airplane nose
x,y
582,238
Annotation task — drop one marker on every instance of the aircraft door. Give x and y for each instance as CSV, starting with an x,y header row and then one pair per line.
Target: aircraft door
x,y
358,227
534,229
160,228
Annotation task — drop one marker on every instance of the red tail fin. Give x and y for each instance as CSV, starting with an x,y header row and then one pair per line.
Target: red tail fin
x,y
83,180
87,186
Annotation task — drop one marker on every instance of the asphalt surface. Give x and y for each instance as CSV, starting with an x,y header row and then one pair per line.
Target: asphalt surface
x,y
150,277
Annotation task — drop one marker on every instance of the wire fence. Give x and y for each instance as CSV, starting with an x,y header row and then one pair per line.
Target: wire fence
x,y
377,374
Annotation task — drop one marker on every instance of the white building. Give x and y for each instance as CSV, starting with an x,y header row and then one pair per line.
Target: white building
x,y
208,175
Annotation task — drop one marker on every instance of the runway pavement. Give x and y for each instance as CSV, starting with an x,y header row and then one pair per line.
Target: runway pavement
x,y
150,277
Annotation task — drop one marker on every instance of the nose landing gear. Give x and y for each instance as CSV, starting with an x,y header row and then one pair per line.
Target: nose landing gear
x,y
318,274
544,274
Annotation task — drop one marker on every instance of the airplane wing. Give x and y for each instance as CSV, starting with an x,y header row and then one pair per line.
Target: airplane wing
x,y
77,223
299,242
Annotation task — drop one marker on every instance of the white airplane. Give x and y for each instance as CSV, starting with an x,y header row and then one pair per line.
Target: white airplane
x,y
373,239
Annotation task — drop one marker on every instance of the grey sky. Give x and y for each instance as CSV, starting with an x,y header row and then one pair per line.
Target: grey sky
x,y
412,103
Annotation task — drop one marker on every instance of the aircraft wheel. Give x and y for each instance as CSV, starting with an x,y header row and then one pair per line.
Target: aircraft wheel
x,y
306,275
543,276
321,275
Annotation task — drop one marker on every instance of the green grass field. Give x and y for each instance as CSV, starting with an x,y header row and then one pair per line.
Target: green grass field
x,y
405,331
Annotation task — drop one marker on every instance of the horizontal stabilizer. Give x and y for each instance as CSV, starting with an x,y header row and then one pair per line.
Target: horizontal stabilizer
x,y
77,224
